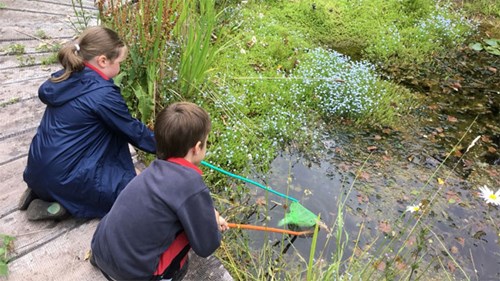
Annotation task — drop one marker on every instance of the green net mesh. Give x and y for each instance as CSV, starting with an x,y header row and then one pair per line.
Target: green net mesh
x,y
298,215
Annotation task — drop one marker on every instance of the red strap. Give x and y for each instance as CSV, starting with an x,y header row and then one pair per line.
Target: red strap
x,y
173,251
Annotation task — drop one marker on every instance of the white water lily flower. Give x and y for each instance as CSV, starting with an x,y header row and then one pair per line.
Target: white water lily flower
x,y
490,197
414,208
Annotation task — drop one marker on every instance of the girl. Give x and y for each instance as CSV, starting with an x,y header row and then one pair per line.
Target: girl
x,y
79,159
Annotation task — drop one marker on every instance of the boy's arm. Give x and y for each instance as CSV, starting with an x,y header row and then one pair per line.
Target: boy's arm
x,y
198,219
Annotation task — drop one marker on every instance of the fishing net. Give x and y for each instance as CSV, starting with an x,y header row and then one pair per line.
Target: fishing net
x,y
299,216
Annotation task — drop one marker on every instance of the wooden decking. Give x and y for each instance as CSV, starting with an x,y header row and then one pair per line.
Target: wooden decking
x,y
43,250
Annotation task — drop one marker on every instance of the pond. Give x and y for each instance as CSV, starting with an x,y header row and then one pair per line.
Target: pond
x,y
379,173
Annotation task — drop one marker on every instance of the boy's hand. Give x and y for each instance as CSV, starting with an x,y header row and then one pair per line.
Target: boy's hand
x,y
221,222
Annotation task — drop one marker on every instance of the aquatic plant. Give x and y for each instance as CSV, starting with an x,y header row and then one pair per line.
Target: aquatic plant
x,y
347,88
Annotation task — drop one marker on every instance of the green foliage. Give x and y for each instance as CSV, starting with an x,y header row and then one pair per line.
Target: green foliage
x,y
147,27
51,59
40,34
5,247
486,7
491,46
15,49
197,52
82,14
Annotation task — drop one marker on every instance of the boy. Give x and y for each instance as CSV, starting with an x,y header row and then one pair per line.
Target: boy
x,y
165,210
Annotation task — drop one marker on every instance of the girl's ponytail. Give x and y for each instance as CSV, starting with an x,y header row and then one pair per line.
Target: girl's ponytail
x,y
70,58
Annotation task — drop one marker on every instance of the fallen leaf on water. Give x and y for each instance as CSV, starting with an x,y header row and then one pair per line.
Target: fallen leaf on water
x,y
452,119
440,181
451,266
492,69
454,250
411,240
344,167
491,149
261,201
364,175
362,198
485,138
433,107
452,197
357,251
380,265
400,265
384,226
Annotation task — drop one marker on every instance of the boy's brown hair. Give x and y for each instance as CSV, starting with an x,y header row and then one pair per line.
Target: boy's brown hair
x,y
179,127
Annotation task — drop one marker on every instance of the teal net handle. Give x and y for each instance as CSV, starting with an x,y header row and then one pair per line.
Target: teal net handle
x,y
247,180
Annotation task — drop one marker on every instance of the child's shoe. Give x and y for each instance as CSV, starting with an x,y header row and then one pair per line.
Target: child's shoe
x,y
26,199
42,210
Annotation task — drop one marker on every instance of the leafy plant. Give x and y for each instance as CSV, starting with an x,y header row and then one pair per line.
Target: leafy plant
x,y
147,27
83,16
5,247
197,52
15,49
491,46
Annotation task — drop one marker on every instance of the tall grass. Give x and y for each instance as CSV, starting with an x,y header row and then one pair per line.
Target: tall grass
x,y
197,49
147,27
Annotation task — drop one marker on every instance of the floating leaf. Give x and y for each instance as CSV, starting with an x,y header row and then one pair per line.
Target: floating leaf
x,y
454,250
440,181
476,46
492,42
460,241
493,51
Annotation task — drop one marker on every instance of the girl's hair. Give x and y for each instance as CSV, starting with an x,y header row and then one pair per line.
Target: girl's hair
x,y
94,41
179,127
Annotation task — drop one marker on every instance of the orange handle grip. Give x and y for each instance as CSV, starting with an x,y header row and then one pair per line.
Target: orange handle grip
x,y
268,229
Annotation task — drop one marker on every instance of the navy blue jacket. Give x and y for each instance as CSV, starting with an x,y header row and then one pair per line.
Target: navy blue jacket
x,y
164,200
79,156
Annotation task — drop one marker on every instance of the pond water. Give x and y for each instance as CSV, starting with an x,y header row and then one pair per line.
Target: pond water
x,y
379,173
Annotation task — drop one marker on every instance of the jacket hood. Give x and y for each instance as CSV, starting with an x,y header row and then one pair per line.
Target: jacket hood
x,y
79,83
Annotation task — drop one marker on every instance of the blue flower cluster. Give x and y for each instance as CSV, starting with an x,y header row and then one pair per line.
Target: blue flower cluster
x,y
344,87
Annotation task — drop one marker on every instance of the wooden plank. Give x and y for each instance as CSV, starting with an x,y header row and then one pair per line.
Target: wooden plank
x,y
19,116
31,235
11,186
61,259
64,259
